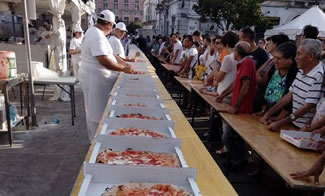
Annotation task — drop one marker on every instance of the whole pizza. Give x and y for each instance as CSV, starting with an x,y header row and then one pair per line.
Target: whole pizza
x,y
137,132
134,157
140,116
146,189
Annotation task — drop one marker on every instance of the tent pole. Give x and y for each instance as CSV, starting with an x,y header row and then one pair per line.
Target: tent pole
x,y
29,67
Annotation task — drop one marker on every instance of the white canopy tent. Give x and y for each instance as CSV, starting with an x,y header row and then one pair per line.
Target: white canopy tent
x,y
314,16
57,9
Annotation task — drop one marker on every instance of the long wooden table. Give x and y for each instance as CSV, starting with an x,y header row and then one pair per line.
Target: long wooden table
x,y
283,157
210,178
187,83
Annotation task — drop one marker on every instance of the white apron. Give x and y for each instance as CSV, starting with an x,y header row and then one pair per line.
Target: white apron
x,y
96,85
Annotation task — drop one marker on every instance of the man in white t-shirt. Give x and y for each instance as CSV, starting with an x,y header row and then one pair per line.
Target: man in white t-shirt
x,y
99,69
191,58
115,40
177,50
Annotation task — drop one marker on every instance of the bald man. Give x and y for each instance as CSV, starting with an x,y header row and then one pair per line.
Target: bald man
x,y
243,91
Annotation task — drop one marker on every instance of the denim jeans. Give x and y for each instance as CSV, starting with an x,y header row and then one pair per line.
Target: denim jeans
x,y
234,144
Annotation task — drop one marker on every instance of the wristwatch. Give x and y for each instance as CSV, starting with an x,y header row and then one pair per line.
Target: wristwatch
x,y
292,117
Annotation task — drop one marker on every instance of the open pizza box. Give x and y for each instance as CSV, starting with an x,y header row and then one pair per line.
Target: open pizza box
x,y
164,127
136,93
158,113
137,102
303,140
97,178
139,144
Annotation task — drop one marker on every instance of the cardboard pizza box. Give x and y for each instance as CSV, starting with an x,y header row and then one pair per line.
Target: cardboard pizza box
x,y
98,178
132,77
137,85
165,127
166,145
136,93
137,102
303,140
159,113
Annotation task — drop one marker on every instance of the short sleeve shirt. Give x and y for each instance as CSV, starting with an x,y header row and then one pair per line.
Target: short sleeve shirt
x,y
306,88
117,46
192,52
95,44
245,70
275,89
228,66
260,56
75,44
178,46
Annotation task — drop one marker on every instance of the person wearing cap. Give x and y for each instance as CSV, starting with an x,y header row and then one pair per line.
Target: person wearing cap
x,y
75,49
115,41
99,69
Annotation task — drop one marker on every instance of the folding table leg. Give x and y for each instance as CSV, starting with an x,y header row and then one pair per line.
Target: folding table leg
x,y
5,91
194,107
71,103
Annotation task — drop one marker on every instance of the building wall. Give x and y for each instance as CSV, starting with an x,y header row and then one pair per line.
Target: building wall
x,y
125,10
286,11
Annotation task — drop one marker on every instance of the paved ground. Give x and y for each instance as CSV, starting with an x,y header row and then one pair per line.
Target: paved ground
x,y
45,160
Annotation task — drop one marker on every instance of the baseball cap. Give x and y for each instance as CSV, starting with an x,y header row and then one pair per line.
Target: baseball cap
x,y
107,15
121,26
77,28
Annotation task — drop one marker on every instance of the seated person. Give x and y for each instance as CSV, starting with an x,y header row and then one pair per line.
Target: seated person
x,y
281,78
305,91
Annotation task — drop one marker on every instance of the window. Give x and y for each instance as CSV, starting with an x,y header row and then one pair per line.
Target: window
x,y
136,5
115,4
126,20
136,18
105,4
126,4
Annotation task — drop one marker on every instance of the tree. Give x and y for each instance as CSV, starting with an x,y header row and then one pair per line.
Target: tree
x,y
229,14
134,26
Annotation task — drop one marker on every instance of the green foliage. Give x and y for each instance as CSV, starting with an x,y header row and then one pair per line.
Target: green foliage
x,y
229,14
134,26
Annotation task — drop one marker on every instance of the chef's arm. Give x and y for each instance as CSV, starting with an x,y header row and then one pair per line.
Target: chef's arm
x,y
109,64
120,60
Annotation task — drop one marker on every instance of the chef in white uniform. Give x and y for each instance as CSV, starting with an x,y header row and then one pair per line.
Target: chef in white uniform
x,y
115,40
99,69
75,49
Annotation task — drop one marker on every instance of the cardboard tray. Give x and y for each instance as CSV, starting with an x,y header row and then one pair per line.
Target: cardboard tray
x,y
167,145
141,93
115,111
98,177
147,102
306,143
165,127
132,78
137,85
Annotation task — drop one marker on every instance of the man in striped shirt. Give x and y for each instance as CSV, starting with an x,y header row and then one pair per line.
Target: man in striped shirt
x,y
306,89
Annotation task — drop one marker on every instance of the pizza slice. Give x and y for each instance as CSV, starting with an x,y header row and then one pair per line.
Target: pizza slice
x,y
146,189
137,132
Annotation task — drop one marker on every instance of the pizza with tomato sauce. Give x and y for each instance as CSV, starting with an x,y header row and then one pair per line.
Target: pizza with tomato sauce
x,y
135,104
145,189
134,157
137,132
140,116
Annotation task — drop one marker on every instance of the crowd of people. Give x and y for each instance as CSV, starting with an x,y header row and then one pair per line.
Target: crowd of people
x,y
277,79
